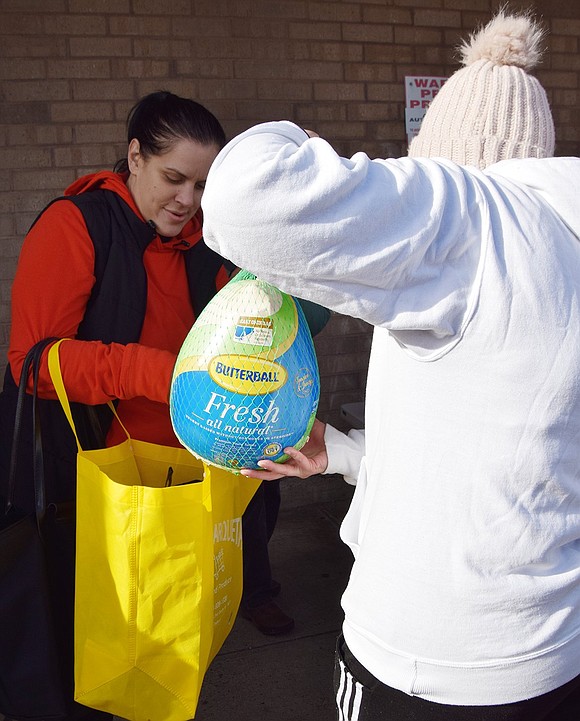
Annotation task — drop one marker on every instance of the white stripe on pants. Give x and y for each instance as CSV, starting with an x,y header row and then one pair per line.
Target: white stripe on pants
x,y
348,696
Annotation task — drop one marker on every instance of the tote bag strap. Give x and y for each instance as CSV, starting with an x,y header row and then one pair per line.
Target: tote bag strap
x,y
57,380
31,362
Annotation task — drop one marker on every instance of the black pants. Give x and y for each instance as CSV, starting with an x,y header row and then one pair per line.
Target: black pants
x,y
362,697
258,523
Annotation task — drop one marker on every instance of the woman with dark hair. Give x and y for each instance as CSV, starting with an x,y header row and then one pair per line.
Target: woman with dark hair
x,y
161,117
119,266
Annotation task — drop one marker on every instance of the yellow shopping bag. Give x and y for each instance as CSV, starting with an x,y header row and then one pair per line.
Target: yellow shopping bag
x,y
158,573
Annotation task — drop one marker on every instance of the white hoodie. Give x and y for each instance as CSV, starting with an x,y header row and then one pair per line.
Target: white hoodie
x,y
465,524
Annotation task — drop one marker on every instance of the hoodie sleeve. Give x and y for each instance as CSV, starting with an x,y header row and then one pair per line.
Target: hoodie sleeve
x,y
394,242
345,452
53,283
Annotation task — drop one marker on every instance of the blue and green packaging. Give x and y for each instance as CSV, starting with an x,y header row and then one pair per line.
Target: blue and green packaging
x,y
246,383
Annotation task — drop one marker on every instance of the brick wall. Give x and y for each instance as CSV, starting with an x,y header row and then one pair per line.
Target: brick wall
x,y
71,69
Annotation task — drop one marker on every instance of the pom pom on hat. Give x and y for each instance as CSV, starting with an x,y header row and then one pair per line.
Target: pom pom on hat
x,y
491,109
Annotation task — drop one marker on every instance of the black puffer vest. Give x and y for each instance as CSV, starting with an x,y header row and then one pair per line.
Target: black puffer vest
x,y
114,314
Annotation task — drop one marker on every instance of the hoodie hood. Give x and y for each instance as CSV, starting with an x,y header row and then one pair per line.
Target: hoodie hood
x,y
116,183
554,179
103,180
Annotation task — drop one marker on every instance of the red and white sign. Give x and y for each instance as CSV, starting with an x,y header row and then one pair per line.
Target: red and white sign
x,y
419,92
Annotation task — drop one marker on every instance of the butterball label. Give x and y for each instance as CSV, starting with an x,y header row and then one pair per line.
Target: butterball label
x,y
236,429
247,375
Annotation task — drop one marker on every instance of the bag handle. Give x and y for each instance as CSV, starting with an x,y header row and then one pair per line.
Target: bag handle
x,y
31,362
58,383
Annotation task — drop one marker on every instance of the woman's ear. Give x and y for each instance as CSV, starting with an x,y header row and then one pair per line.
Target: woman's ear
x,y
133,155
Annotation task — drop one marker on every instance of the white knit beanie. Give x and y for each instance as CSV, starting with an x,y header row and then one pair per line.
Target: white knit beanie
x,y
491,109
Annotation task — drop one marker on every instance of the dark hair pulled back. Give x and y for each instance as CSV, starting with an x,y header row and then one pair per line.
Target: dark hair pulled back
x,y
160,118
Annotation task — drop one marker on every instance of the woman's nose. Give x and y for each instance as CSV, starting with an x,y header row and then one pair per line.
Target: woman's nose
x,y
187,195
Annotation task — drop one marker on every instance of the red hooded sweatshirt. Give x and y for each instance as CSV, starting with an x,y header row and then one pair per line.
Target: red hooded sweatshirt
x,y
53,283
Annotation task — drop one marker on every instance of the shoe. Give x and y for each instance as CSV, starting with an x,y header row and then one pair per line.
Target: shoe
x,y
269,619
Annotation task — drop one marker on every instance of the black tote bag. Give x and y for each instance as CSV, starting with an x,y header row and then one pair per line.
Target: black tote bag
x,y
31,674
